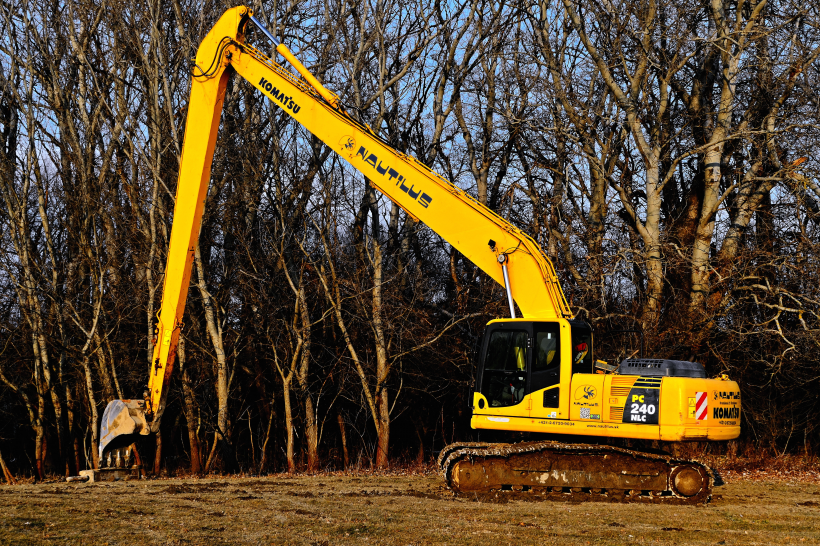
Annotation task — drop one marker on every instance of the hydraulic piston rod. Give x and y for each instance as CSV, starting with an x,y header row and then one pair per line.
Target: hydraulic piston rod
x,y
502,259
283,50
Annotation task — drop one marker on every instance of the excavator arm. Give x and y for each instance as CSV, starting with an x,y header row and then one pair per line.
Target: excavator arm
x,y
501,250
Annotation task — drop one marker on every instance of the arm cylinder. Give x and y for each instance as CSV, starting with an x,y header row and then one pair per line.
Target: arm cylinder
x,y
283,50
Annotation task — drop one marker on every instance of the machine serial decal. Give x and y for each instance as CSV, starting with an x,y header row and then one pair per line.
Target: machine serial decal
x,y
386,170
642,403
287,102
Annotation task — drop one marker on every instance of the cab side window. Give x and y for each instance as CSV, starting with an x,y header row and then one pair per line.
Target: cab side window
x,y
546,347
546,370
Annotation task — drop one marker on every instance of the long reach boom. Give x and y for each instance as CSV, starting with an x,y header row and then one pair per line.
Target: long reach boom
x,y
501,250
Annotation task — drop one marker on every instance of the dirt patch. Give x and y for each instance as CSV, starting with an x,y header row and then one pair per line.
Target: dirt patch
x,y
183,488
388,510
302,494
300,512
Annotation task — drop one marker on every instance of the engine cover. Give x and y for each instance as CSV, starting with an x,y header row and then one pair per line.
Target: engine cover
x,y
655,367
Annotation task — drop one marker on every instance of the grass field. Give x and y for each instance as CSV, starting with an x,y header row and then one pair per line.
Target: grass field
x,y
384,509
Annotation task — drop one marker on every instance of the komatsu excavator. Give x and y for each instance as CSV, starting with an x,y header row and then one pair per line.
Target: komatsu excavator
x,y
536,374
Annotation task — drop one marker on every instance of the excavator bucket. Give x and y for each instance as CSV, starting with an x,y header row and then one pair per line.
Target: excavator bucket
x,y
122,422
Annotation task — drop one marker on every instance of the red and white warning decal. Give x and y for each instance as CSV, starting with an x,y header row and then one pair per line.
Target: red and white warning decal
x,y
701,406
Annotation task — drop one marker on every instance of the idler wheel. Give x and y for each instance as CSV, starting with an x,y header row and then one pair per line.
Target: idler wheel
x,y
687,481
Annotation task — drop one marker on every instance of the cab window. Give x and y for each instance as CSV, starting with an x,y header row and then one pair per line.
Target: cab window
x,y
546,370
546,350
504,378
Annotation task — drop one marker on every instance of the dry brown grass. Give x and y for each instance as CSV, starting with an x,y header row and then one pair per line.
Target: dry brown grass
x,y
388,508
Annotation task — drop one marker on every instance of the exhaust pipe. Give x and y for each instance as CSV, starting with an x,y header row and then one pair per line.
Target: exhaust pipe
x,y
123,421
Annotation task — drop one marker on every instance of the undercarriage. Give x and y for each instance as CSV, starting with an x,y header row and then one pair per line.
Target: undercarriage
x,y
574,472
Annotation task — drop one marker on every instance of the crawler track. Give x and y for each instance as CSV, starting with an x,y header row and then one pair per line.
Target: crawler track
x,y
574,472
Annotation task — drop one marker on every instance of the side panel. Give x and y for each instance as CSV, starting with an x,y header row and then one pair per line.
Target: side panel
x,y
587,398
700,409
687,409
565,426
642,406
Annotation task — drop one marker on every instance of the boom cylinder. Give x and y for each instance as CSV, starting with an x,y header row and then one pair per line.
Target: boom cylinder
x,y
502,259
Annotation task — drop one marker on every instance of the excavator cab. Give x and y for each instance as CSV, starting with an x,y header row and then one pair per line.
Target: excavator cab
x,y
524,361
539,376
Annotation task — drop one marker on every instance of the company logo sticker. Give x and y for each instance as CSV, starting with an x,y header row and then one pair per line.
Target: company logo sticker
x,y
385,170
587,392
347,146
284,100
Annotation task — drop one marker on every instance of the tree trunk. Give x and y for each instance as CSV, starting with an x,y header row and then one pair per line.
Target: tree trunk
x,y
384,431
212,455
78,449
62,438
158,453
289,425
311,426
382,365
287,379
263,460
311,435
215,334
94,423
221,364
6,472
71,455
189,409
39,442
701,249
345,453
652,247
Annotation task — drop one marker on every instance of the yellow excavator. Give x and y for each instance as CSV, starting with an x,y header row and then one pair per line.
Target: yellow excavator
x,y
535,374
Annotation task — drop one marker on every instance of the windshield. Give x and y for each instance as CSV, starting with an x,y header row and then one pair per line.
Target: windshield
x,y
507,350
504,378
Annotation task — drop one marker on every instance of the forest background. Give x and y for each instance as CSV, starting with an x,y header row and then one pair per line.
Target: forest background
x,y
664,154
